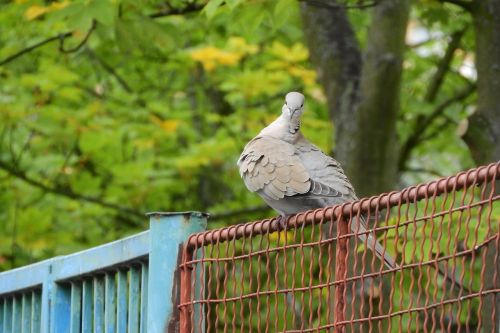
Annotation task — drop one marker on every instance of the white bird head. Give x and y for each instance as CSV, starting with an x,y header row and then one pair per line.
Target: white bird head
x,y
292,111
287,126
294,105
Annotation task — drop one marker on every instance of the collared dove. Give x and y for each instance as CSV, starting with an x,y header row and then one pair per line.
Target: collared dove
x,y
292,175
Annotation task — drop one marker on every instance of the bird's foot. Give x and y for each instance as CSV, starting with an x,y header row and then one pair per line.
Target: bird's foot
x,y
281,220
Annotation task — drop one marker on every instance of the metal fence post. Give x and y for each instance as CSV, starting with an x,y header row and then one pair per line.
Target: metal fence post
x,y
60,308
340,273
168,232
46,299
185,293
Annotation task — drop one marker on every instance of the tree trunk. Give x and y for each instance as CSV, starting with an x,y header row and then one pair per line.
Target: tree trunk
x,y
363,101
374,161
335,53
483,134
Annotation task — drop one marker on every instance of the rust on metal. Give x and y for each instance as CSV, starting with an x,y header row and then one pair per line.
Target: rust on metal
x,y
411,194
340,273
185,292
317,275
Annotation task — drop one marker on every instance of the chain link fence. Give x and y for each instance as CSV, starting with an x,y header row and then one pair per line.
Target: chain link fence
x,y
317,275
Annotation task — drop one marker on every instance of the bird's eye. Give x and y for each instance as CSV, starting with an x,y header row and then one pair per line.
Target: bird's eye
x,y
301,105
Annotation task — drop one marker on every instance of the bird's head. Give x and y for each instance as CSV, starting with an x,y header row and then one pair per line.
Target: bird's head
x,y
293,109
294,104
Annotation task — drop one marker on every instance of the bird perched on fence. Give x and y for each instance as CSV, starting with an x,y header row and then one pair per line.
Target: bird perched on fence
x,y
292,175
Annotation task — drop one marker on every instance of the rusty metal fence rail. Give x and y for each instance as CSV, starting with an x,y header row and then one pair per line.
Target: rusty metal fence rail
x,y
316,275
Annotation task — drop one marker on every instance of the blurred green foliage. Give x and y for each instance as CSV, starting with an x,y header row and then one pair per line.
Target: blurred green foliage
x,y
146,106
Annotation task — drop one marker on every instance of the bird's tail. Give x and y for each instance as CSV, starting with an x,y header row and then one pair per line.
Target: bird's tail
x,y
372,243
381,253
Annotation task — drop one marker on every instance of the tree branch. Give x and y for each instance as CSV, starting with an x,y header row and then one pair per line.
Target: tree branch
x,y
461,95
67,192
65,163
34,47
447,121
190,8
84,40
423,123
444,65
111,71
420,44
17,159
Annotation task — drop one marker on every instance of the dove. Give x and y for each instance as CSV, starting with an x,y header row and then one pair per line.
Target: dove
x,y
292,175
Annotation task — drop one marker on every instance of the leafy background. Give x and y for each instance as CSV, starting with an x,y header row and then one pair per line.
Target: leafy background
x,y
137,106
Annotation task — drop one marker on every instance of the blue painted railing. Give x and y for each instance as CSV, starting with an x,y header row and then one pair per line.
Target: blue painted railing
x,y
124,286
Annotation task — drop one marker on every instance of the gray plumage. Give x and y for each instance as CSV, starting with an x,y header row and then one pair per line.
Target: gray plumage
x,y
292,175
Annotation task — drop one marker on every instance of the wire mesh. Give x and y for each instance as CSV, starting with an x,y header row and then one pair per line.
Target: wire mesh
x,y
317,275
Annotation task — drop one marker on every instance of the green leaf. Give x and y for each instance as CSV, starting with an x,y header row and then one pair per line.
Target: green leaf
x,y
282,11
158,34
77,16
232,4
125,35
250,17
144,35
103,11
211,7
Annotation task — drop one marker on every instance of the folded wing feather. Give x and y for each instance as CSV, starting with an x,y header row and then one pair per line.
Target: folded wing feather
x,y
271,165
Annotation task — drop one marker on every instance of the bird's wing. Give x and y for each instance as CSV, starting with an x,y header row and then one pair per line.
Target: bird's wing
x,y
274,167
270,165
279,170
324,169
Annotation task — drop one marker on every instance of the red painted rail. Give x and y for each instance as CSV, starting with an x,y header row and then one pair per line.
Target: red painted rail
x,y
318,276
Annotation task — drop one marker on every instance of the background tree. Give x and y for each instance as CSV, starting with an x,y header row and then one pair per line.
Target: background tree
x,y
110,109
363,88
